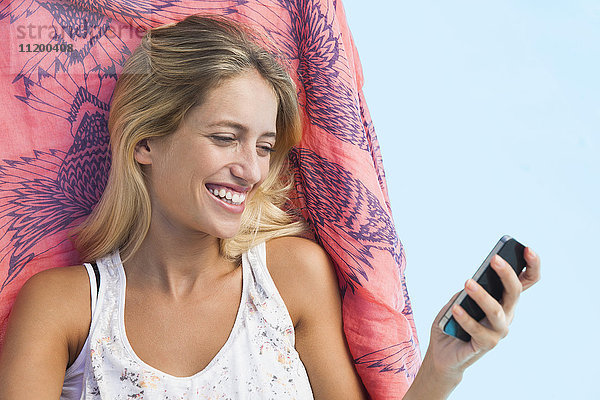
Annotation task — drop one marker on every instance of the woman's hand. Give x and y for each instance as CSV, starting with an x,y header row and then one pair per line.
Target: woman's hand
x,y
447,357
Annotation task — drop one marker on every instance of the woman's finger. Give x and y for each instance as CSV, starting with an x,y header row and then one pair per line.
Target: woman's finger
x,y
482,338
531,274
510,281
492,309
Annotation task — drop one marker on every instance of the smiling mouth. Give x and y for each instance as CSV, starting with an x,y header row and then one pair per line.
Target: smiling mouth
x,y
235,199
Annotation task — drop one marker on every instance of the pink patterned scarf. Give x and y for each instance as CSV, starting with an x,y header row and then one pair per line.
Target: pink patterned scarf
x,y
60,61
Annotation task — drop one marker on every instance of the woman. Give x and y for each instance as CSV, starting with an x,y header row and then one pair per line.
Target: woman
x,y
202,286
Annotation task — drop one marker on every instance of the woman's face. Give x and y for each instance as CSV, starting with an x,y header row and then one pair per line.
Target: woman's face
x,y
200,176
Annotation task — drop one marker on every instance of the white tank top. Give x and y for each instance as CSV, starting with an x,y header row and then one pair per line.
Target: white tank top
x,y
258,361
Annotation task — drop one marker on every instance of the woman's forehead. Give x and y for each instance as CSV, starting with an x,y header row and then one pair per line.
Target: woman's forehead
x,y
243,102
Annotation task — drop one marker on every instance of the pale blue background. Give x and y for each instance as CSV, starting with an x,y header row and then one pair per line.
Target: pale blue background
x,y
488,116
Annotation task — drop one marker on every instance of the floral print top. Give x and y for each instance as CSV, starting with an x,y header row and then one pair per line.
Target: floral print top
x,y
258,360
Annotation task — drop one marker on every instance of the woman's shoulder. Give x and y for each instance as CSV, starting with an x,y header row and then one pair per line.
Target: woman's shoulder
x,y
302,271
291,255
45,327
62,292
306,279
60,284
58,298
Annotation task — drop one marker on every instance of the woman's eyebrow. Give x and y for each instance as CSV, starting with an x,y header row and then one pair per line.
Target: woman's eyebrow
x,y
238,126
230,124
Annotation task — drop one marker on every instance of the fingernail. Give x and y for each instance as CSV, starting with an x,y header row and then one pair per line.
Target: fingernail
x,y
499,263
472,285
457,310
531,252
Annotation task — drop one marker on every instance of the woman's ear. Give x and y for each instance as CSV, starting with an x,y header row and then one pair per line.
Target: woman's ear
x,y
142,152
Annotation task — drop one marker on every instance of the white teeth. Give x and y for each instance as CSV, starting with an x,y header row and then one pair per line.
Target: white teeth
x,y
227,197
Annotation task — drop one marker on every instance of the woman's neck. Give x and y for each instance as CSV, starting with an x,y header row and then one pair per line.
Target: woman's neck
x,y
177,264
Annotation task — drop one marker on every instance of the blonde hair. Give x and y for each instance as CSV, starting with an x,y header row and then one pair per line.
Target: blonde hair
x,y
171,71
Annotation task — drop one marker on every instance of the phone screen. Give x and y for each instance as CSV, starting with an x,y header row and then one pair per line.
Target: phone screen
x,y
512,252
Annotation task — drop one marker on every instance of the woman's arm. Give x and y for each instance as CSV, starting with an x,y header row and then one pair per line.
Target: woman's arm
x,y
35,352
306,280
447,358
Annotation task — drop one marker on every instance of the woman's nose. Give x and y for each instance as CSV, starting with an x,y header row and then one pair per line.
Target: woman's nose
x,y
247,167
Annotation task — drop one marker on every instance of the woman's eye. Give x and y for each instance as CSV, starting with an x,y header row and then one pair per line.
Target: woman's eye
x,y
268,149
223,138
228,139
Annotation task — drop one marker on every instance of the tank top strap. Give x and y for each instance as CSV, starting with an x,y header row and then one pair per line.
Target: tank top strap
x,y
100,280
95,271
104,278
263,287
94,284
257,261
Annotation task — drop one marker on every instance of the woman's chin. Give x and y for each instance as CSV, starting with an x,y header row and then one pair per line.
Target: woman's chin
x,y
226,237
227,233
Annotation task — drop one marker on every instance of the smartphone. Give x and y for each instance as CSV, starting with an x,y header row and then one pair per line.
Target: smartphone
x,y
512,252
